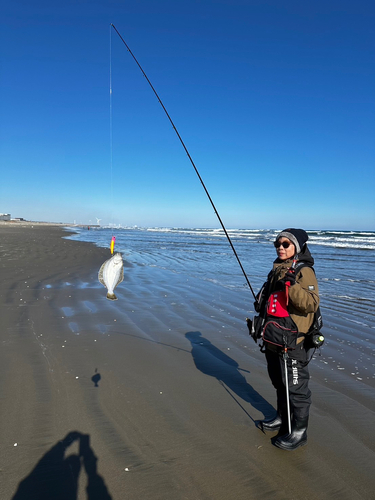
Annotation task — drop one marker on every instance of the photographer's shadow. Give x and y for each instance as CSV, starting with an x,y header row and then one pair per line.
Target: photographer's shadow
x,y
56,476
215,363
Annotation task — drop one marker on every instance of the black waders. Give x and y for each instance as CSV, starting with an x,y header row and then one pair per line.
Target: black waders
x,y
298,436
271,424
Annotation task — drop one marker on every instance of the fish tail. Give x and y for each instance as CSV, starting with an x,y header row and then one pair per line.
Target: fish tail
x,y
111,296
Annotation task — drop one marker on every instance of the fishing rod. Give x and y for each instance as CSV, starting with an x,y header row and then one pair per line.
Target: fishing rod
x,y
190,158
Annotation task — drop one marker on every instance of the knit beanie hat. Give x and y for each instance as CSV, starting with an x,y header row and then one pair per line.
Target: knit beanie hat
x,y
297,236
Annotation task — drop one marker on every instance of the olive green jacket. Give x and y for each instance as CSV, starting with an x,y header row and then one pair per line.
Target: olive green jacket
x,y
303,295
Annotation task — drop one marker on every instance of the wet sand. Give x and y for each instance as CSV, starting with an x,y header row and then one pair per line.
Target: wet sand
x,y
153,396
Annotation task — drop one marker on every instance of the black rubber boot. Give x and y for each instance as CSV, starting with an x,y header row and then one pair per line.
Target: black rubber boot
x,y
284,429
298,436
271,424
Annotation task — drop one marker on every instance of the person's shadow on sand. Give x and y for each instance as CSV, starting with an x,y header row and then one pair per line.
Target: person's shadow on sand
x,y
55,477
211,361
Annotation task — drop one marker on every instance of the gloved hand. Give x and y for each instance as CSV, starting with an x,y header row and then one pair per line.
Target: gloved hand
x,y
290,276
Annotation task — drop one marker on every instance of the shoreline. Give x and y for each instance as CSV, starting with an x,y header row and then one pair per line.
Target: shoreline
x,y
157,395
28,223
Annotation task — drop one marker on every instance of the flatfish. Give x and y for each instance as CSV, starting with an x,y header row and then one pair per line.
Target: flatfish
x,y
111,274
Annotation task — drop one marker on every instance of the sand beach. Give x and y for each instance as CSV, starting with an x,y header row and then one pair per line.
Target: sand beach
x,y
154,396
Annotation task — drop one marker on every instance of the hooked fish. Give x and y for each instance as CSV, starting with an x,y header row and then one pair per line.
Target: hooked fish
x,y
111,274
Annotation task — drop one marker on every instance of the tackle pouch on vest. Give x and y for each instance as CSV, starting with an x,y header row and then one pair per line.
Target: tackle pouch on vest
x,y
256,328
279,328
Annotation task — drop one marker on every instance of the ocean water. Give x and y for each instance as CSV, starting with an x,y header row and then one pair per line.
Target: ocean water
x,y
344,265
344,260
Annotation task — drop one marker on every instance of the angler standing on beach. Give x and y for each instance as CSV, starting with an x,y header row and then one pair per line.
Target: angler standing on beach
x,y
286,305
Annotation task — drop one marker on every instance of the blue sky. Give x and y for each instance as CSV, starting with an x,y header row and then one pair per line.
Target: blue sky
x,y
275,102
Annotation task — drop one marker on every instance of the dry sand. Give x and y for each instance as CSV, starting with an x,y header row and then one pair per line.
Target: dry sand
x,y
141,399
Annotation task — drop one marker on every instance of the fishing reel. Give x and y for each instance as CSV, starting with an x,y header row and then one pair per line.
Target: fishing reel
x,y
317,340
314,340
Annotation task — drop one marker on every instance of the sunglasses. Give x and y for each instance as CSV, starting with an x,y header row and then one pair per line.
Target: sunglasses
x,y
284,244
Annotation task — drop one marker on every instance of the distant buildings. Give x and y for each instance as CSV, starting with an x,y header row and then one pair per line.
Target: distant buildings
x,y
7,217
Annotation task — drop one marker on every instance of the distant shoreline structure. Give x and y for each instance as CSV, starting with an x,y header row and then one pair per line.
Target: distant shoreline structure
x,y
28,223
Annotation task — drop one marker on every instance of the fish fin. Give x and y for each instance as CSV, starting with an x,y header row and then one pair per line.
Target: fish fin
x,y
111,296
100,274
121,277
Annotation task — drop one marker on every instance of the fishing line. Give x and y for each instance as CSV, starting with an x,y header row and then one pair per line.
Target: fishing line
x,y
190,158
111,135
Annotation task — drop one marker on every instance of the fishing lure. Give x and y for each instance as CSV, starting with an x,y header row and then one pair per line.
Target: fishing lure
x,y
113,244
